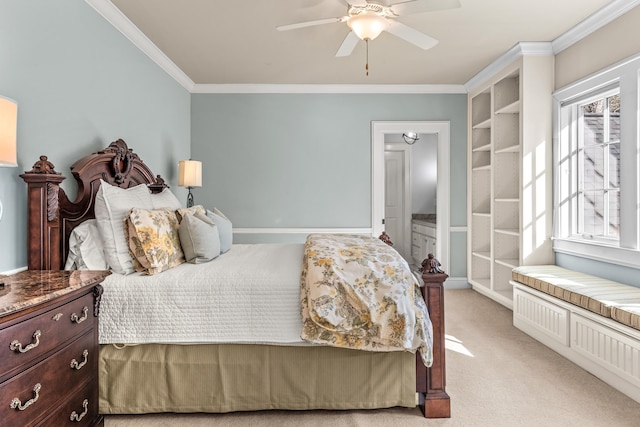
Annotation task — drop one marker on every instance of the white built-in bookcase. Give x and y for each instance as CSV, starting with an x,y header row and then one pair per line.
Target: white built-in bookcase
x,y
510,182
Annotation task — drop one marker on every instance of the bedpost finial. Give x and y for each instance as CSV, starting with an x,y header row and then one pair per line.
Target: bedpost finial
x,y
385,238
431,265
43,166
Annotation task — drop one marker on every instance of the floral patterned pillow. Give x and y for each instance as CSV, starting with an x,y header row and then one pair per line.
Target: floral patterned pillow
x,y
153,239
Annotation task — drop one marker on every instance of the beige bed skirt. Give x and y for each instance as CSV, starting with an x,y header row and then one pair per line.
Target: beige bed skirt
x,y
155,378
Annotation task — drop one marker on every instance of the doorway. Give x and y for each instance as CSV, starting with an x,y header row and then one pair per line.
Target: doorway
x,y
441,130
397,200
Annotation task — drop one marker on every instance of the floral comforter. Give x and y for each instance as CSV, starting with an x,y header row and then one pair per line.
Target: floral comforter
x,y
357,292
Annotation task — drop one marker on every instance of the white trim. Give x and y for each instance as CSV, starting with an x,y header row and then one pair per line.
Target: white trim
x,y
599,19
593,23
14,271
366,231
627,253
328,88
516,52
441,129
115,17
458,229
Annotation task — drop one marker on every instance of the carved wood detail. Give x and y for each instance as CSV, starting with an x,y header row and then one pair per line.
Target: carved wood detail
x,y
97,297
52,201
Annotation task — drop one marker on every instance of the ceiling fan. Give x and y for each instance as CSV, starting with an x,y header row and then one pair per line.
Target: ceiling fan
x,y
367,20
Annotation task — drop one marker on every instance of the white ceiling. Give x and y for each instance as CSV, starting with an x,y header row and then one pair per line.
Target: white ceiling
x,y
235,42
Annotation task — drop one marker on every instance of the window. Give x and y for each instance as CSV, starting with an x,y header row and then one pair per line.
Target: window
x,y
596,156
598,167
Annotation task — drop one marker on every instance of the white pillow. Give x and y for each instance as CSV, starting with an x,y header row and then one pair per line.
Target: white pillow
x,y
199,238
225,229
85,248
165,199
111,207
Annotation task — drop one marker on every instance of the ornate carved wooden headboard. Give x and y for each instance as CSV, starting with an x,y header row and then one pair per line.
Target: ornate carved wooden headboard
x,y
52,216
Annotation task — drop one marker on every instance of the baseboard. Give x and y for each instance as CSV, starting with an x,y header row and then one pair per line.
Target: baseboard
x,y
14,271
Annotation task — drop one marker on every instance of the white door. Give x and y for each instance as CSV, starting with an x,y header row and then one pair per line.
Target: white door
x,y
394,204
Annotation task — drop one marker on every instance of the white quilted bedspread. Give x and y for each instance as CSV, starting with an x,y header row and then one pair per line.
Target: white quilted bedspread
x,y
250,294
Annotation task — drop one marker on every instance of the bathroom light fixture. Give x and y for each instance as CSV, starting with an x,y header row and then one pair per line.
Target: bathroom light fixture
x,y
190,176
410,137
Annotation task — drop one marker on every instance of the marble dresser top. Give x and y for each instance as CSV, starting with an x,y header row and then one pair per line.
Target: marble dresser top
x,y
32,287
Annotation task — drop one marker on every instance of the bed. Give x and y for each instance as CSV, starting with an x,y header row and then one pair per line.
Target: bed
x,y
248,373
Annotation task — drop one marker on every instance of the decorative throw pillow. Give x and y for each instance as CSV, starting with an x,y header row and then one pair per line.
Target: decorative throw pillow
x,y
199,238
180,213
153,239
111,207
225,229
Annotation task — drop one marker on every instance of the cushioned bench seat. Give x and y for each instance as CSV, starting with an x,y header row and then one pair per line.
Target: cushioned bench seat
x,y
607,298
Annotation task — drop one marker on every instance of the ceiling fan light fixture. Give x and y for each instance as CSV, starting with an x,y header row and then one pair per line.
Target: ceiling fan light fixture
x,y
367,25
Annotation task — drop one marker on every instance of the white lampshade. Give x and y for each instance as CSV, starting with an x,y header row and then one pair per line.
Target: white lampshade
x,y
367,25
8,131
189,173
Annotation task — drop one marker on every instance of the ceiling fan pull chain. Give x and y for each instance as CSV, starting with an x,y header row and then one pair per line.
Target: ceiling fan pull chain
x,y
366,67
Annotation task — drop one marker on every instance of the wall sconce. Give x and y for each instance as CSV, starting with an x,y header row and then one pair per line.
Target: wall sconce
x,y
8,131
410,137
189,175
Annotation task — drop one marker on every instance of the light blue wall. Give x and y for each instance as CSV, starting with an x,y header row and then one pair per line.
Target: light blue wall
x,y
618,273
304,160
79,85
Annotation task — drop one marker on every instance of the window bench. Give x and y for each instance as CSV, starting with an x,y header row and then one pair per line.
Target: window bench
x,y
591,321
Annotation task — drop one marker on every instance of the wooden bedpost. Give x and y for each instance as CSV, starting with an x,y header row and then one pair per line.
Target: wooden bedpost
x,y
43,228
431,382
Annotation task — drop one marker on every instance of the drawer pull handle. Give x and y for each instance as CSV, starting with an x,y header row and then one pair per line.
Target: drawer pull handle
x,y
74,415
16,404
76,319
17,346
77,366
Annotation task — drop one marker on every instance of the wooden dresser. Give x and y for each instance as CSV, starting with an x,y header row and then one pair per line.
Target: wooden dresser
x,y
49,348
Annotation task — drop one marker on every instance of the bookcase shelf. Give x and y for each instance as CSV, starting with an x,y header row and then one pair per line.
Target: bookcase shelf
x,y
509,130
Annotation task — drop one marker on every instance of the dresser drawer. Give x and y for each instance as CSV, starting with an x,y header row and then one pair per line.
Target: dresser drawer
x,y
22,343
35,391
81,409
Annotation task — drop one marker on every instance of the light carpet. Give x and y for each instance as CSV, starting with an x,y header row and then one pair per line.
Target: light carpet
x,y
496,376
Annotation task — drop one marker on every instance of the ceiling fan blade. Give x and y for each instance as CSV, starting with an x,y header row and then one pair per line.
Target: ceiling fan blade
x,y
310,23
420,6
411,35
348,44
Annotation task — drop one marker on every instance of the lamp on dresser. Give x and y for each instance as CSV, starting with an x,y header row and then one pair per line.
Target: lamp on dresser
x,y
190,176
8,131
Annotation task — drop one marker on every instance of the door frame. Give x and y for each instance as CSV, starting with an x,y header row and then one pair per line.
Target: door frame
x,y
406,208
442,130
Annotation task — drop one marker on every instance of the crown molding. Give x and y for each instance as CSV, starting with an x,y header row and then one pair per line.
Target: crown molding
x,y
584,28
594,22
519,50
115,17
326,88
